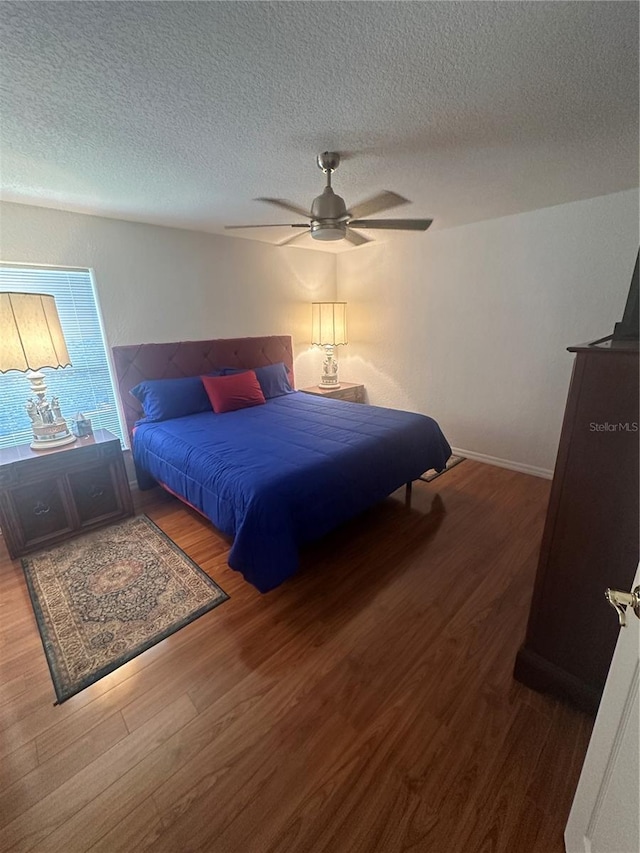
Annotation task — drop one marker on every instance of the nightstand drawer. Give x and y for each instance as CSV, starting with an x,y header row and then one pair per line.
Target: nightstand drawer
x,y
348,391
95,494
351,395
40,511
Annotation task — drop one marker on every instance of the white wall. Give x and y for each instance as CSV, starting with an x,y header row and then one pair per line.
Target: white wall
x,y
159,284
471,324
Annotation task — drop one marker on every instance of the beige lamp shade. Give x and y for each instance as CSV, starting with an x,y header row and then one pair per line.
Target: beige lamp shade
x,y
30,333
329,323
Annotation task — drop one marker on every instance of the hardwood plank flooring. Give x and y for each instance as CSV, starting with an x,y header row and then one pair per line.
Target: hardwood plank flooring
x,y
365,706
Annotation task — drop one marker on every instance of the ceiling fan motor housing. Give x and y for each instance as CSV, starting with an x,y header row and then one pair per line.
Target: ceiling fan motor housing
x,y
327,211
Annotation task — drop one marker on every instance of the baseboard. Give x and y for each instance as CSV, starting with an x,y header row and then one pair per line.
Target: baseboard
x,y
504,463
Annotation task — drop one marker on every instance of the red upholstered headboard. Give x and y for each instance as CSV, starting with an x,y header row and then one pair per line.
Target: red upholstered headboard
x,y
192,358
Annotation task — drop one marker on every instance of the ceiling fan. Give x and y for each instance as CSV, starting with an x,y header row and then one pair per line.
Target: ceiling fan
x,y
331,220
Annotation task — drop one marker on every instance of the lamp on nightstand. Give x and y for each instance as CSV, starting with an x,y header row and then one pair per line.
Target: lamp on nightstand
x,y
329,330
31,338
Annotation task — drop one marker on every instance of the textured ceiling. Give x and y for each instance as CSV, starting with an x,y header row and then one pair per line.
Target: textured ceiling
x,y
180,113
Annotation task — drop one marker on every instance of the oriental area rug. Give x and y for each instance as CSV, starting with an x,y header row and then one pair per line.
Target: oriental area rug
x,y
107,596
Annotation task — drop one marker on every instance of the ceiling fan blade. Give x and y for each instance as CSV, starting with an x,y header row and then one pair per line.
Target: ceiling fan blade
x,y
287,205
377,203
293,239
270,225
397,224
356,239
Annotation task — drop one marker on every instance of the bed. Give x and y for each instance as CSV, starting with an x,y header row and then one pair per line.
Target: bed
x,y
277,475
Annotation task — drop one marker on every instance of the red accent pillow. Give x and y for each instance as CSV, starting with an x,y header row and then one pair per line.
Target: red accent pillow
x,y
229,393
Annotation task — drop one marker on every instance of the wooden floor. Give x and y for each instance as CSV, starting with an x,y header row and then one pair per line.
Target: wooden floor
x,y
366,705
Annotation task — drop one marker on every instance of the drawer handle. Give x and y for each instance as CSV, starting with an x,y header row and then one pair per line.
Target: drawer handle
x,y
95,491
41,509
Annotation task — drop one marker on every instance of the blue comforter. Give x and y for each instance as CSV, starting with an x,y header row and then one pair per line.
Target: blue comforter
x,y
279,475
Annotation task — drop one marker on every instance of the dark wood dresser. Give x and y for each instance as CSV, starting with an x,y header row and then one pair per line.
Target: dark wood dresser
x,y
590,540
48,496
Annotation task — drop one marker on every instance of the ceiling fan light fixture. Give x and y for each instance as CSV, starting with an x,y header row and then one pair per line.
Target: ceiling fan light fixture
x,y
328,230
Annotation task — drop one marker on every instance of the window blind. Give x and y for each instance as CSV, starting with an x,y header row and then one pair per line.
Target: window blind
x,y
87,385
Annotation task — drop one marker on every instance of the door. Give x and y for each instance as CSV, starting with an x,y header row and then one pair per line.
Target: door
x,y
605,815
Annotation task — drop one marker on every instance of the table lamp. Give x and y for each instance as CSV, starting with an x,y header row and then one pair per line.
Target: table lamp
x,y
31,338
329,330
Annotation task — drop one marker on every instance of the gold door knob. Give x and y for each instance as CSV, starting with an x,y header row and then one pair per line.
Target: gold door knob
x,y
621,600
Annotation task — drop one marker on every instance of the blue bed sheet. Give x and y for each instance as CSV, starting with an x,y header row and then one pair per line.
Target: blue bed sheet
x,y
285,473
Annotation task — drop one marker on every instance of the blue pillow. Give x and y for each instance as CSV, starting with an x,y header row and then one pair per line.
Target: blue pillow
x,y
172,398
273,378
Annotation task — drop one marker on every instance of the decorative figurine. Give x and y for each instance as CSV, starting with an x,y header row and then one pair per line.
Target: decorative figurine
x,y
45,412
32,411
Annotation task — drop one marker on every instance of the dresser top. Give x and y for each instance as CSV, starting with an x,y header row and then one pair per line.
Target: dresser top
x,y
9,455
607,345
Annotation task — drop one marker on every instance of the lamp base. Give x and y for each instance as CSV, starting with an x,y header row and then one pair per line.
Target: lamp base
x,y
49,427
50,443
47,436
329,370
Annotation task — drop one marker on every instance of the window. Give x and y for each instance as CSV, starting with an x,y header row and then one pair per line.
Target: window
x,y
84,387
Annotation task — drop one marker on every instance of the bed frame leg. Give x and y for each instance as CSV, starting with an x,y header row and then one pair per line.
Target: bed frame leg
x,y
407,494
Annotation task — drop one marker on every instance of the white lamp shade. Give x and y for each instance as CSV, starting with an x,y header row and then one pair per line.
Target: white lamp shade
x,y
30,333
329,323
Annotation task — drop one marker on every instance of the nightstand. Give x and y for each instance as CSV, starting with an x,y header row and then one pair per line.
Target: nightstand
x,y
348,391
49,496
